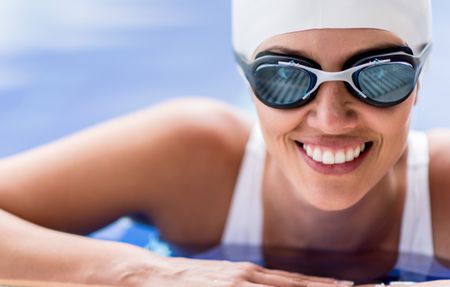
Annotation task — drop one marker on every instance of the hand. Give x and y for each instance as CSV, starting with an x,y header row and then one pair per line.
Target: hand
x,y
211,273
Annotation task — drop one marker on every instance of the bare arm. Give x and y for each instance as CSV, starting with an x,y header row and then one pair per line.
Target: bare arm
x,y
439,170
87,180
32,252
131,164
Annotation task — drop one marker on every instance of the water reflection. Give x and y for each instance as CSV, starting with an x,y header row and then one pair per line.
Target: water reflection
x,y
369,267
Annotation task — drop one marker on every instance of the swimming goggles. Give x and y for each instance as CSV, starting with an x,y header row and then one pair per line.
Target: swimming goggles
x,y
380,78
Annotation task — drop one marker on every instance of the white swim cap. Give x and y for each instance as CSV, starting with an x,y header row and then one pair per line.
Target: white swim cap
x,y
257,20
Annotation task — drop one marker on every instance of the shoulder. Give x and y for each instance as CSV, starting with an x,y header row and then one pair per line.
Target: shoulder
x,y
439,167
198,137
205,119
202,147
439,143
200,131
439,175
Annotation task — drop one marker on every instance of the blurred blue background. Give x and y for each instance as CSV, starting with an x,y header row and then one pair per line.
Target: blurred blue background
x,y
66,65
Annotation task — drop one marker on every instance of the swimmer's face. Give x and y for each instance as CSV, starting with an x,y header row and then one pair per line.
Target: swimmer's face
x,y
334,124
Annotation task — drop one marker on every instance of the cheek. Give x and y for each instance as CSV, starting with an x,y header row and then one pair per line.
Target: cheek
x,y
391,121
276,123
392,126
276,126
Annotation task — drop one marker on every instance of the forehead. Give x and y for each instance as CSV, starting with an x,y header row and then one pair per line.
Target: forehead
x,y
335,45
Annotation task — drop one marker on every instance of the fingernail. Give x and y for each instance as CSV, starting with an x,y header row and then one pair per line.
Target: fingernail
x,y
345,283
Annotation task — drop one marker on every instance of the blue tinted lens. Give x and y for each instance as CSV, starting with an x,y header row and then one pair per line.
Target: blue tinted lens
x,y
388,82
281,85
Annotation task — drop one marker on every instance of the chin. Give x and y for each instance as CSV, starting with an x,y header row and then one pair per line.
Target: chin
x,y
332,206
333,199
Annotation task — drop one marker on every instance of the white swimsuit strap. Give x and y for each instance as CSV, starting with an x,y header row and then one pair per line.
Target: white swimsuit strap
x,y
244,222
416,231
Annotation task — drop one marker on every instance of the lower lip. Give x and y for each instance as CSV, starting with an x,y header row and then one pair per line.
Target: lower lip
x,y
335,169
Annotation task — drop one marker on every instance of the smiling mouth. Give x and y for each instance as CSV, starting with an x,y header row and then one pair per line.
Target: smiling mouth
x,y
335,156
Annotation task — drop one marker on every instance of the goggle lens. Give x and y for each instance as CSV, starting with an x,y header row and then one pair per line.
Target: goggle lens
x,y
282,85
386,83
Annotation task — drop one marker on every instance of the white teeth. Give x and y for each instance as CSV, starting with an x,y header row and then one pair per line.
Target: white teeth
x,y
339,157
328,157
309,151
317,155
349,156
356,152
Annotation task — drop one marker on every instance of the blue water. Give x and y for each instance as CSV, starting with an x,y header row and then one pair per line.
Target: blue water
x,y
412,267
66,67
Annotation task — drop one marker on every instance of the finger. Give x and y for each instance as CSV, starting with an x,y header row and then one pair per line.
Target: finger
x,y
309,278
286,281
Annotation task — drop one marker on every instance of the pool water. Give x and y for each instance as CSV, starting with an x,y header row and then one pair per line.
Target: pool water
x,y
361,268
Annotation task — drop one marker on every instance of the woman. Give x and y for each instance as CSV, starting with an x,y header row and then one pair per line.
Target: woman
x,y
334,85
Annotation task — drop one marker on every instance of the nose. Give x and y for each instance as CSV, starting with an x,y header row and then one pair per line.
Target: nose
x,y
333,110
